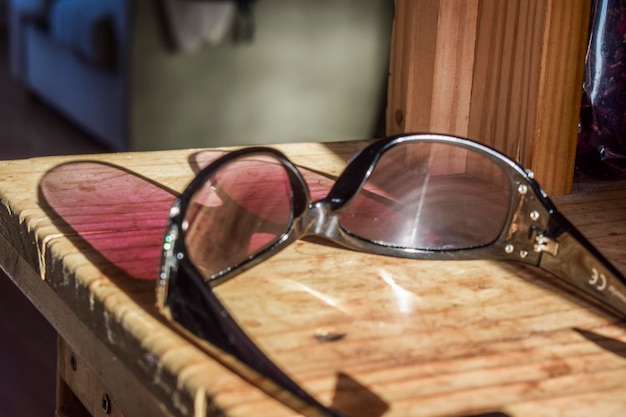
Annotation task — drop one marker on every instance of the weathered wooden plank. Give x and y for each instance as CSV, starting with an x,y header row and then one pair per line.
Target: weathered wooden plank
x,y
419,338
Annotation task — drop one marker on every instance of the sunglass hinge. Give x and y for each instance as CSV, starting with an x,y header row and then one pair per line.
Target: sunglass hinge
x,y
546,244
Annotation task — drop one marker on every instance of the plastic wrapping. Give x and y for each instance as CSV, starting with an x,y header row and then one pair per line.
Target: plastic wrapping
x,y
601,149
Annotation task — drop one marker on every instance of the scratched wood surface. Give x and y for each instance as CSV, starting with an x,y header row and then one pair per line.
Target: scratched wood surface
x,y
370,335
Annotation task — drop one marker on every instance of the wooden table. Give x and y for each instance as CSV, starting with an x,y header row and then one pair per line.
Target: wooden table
x,y
413,338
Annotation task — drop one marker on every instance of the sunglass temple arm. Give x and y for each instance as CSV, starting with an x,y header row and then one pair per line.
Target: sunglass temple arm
x,y
568,255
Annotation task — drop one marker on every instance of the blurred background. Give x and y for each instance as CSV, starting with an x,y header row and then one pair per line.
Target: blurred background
x,y
165,74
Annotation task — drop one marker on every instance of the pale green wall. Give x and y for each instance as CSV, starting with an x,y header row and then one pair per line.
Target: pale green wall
x,y
316,71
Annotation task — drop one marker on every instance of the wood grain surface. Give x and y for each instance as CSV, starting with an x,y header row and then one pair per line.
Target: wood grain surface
x,y
507,73
373,336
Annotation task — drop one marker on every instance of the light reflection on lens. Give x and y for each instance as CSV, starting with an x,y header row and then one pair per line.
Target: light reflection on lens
x,y
431,196
241,210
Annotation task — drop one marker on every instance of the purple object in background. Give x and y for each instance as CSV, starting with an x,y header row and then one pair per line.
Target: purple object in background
x,y
601,151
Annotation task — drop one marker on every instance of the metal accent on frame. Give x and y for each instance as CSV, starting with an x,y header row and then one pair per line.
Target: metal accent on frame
x,y
534,215
546,244
522,189
169,263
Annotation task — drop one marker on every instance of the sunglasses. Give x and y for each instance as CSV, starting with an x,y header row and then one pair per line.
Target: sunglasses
x,y
421,196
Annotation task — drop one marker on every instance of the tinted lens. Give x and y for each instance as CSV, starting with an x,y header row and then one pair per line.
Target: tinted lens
x,y
431,196
245,207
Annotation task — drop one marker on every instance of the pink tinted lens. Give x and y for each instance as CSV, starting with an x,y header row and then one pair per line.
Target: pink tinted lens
x,y
319,184
431,196
244,208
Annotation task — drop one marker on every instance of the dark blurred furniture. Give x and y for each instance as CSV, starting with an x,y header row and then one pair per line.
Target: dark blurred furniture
x,y
72,54
112,68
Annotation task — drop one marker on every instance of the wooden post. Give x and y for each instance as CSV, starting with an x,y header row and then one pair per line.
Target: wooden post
x,y
507,73
79,390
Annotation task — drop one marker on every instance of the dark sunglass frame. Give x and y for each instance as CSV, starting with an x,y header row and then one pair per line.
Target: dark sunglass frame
x,y
534,233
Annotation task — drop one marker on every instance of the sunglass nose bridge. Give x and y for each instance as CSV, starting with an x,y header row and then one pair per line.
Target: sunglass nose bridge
x,y
320,220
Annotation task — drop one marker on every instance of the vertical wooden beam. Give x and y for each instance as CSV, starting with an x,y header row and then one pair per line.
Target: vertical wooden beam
x,y
79,390
506,77
507,73
560,91
454,64
412,65
432,58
